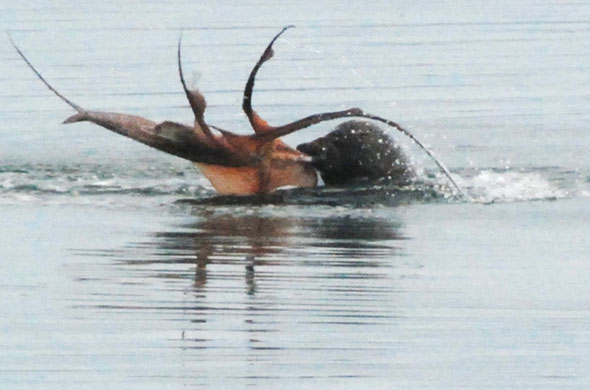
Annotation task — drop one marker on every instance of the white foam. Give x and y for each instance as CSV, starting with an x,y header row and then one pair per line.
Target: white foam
x,y
104,183
7,184
512,186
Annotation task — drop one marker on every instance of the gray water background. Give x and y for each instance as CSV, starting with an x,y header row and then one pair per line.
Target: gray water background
x,y
121,267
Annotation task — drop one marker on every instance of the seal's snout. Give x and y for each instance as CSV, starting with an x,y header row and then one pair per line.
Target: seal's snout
x,y
317,151
310,148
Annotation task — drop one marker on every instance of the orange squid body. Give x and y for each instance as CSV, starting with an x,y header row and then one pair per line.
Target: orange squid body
x,y
280,166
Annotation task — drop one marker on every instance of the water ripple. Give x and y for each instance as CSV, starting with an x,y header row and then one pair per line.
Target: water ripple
x,y
106,183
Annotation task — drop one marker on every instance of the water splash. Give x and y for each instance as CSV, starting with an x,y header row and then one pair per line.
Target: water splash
x,y
501,186
84,183
113,184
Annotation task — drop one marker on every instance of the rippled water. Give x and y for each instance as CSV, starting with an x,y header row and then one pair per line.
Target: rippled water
x,y
122,268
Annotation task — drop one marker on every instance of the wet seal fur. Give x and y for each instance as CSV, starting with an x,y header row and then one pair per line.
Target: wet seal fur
x,y
359,151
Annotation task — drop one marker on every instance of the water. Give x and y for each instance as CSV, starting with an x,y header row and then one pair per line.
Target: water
x,y
122,268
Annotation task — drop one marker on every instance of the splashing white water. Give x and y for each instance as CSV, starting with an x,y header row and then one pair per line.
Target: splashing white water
x,y
491,186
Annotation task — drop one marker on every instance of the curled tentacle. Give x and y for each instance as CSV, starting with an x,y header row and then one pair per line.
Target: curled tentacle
x,y
258,124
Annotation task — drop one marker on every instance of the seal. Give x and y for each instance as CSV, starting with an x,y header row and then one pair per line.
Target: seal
x,y
359,151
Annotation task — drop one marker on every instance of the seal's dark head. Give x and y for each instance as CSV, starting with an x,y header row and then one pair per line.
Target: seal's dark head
x,y
356,151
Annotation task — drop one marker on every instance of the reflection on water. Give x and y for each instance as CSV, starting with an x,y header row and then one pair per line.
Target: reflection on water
x,y
265,240
255,241
315,296
248,290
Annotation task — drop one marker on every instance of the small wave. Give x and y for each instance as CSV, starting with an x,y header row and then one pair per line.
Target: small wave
x,y
361,196
40,182
108,183
585,190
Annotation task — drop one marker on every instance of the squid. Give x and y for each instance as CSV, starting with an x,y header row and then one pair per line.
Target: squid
x,y
234,164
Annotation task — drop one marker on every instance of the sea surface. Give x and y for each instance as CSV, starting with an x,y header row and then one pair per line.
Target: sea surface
x,y
122,268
